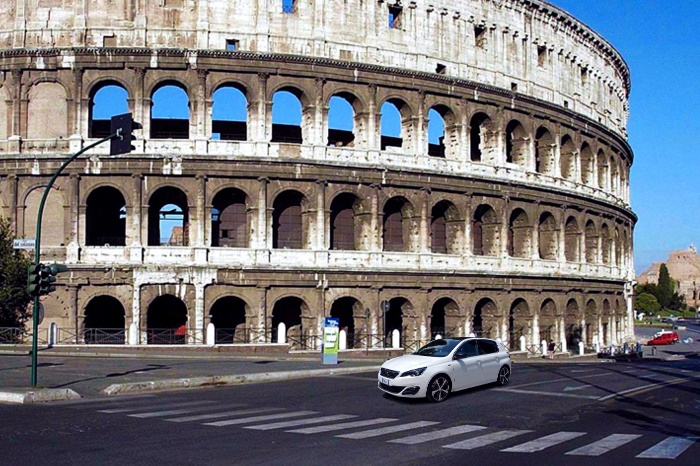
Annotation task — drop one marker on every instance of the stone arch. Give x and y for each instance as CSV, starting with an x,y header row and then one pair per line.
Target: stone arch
x,y
591,242
107,98
519,323
591,319
168,217
572,322
444,318
400,225
228,314
399,308
545,151
485,231
485,318
548,234
519,234
47,98
548,321
572,240
483,143
289,223
346,309
448,145
289,310
587,165
104,321
606,244
446,228
166,320
344,125
292,115
568,158
53,219
229,112
517,145
603,171
5,114
407,134
105,217
345,224
170,120
229,219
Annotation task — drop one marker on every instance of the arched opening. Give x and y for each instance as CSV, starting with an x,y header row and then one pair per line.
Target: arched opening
x,y
341,120
170,113
394,321
481,139
436,134
519,323
104,321
167,321
229,113
587,165
617,245
46,97
517,144
168,218
548,321
548,233
287,222
287,116
568,158
444,319
105,218
345,309
572,240
591,319
606,244
544,151
519,234
398,225
228,314
438,228
485,228
288,311
396,125
573,330
603,171
443,133
345,227
229,219
614,177
485,319
106,100
591,243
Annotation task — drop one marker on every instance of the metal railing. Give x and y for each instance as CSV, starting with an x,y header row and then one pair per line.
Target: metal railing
x,y
240,335
172,336
13,336
104,336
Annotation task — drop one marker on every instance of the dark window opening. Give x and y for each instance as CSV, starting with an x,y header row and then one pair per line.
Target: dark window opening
x,y
514,87
343,223
287,221
166,320
104,321
229,220
228,316
105,218
440,68
289,6
168,218
232,44
287,311
541,55
395,16
480,36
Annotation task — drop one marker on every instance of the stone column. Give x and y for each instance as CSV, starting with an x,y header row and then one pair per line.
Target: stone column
x,y
263,239
321,240
75,219
135,234
376,221
373,119
425,218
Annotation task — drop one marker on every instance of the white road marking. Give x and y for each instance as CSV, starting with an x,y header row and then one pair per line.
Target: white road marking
x,y
536,392
580,387
604,445
564,379
387,430
301,422
648,386
269,417
165,406
544,442
438,434
669,448
488,439
172,412
345,425
240,412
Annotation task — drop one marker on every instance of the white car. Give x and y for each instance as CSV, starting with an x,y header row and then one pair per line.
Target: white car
x,y
446,365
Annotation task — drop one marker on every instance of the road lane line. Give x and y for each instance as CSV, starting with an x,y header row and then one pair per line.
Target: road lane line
x,y
649,387
345,425
438,434
165,406
301,422
269,417
604,445
484,440
565,379
387,430
172,412
544,442
535,392
240,412
669,448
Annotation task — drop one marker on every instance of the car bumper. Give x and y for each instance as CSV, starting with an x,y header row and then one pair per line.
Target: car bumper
x,y
406,387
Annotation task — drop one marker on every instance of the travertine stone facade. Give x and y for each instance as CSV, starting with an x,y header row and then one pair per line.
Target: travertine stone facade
x,y
516,224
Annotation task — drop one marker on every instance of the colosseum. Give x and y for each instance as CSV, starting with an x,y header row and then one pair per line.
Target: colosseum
x,y
411,168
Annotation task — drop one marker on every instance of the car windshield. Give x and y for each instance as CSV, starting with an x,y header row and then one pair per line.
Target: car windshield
x,y
437,348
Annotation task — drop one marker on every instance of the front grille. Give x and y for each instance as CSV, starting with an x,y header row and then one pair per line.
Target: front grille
x,y
388,373
390,388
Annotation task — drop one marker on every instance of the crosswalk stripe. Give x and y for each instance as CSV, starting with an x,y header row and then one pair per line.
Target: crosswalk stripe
x,y
240,412
246,420
544,442
669,448
604,445
345,425
435,435
165,406
102,402
172,412
387,430
301,422
484,440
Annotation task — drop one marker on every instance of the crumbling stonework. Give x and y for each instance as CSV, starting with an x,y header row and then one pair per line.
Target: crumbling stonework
x,y
517,223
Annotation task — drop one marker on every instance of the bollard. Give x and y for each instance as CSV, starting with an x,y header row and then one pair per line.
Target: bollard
x,y
343,340
580,348
522,343
211,334
282,333
543,343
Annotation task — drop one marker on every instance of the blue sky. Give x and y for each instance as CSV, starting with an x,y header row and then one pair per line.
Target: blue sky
x,y
659,41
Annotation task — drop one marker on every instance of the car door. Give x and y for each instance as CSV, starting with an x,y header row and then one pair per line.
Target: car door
x,y
490,359
466,367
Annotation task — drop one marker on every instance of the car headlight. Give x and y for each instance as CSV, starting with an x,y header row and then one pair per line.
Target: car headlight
x,y
413,372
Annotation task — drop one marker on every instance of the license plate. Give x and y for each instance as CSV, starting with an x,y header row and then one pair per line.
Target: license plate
x,y
386,381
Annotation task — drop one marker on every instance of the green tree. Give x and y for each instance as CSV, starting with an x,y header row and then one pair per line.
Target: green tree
x,y
664,292
14,299
648,303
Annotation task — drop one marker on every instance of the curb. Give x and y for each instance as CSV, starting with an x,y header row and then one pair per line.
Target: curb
x,y
41,395
224,380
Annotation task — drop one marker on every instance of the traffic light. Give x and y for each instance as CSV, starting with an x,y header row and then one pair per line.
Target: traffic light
x,y
46,280
33,279
121,127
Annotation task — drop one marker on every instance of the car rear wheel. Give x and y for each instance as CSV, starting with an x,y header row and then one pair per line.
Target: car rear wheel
x,y
503,376
439,388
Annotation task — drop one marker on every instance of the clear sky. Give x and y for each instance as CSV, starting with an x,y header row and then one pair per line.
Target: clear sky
x,y
659,41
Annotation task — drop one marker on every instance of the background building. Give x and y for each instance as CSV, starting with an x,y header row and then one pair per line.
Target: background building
x,y
514,222
684,269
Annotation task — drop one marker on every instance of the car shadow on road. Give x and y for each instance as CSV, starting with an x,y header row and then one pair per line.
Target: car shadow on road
x,y
147,368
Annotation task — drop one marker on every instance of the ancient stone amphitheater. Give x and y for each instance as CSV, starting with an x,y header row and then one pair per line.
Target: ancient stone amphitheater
x,y
269,185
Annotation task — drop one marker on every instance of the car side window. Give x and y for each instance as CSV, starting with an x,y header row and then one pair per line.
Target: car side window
x,y
487,347
467,349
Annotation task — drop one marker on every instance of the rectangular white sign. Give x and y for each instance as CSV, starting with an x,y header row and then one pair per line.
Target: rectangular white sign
x,y
28,243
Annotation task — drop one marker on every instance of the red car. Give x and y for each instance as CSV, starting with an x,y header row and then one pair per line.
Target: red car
x,y
664,337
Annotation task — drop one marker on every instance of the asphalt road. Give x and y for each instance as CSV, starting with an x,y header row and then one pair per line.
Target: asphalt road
x,y
615,413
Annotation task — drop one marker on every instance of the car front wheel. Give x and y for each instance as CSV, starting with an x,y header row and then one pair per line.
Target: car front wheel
x,y
503,376
439,388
